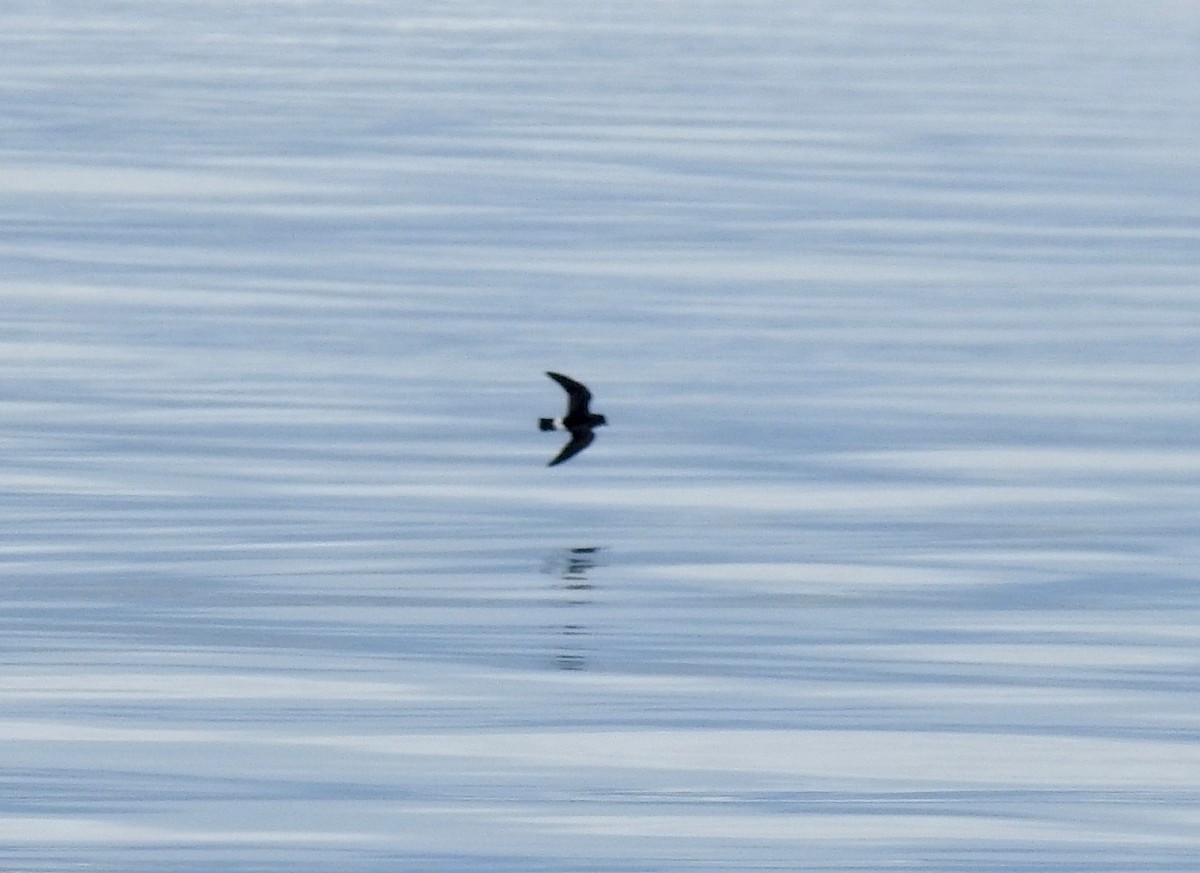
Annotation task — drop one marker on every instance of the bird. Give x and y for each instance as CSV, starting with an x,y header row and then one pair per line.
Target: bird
x,y
579,420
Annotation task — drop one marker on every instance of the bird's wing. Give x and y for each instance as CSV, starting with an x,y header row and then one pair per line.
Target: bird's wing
x,y
581,438
579,396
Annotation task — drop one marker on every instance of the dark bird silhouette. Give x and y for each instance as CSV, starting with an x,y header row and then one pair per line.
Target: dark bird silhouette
x,y
579,420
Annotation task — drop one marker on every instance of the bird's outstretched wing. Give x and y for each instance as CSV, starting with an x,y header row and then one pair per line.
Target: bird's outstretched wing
x,y
579,396
581,438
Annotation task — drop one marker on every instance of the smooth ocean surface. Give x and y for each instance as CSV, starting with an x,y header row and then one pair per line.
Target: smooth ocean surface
x,y
888,560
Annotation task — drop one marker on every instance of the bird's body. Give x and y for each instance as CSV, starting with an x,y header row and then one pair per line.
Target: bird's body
x,y
579,419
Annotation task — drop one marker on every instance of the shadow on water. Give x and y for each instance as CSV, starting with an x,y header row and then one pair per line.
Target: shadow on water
x,y
571,567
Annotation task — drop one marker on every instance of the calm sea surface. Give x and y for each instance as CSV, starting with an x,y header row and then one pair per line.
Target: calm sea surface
x,y
888,559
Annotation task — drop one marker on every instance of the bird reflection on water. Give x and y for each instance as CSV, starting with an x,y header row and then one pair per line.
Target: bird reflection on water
x,y
572,566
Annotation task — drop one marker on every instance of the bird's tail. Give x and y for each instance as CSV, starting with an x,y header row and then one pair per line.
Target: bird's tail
x,y
545,424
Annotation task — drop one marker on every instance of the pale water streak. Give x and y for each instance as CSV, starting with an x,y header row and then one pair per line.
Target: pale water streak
x,y
887,559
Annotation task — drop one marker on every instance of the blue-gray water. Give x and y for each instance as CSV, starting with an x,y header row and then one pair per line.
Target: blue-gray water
x,y
887,560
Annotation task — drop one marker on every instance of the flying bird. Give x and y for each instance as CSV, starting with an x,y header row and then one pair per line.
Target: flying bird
x,y
579,420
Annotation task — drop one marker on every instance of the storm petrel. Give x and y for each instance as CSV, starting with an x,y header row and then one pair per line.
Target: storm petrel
x,y
579,420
